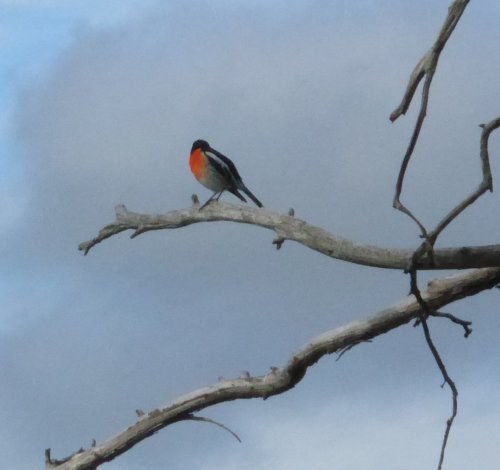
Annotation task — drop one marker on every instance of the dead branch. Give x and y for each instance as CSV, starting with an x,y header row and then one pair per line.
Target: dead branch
x,y
279,380
423,68
425,313
426,67
465,324
485,185
427,246
294,229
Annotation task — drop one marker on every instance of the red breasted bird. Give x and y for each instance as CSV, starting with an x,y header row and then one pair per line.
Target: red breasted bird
x,y
216,172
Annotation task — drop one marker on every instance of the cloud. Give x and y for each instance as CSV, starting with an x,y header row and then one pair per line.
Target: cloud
x,y
299,98
116,120
370,433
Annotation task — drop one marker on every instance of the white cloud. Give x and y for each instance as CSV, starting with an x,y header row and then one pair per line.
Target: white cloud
x,y
368,434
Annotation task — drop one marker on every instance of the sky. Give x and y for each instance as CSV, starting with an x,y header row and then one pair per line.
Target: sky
x,y
99,105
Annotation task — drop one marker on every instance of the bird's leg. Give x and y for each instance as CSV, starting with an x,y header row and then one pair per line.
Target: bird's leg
x,y
210,199
220,194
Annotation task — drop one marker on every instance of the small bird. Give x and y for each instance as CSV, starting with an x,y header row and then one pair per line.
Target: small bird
x,y
217,172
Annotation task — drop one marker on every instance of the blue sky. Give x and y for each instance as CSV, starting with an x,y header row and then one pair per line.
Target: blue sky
x,y
35,33
100,105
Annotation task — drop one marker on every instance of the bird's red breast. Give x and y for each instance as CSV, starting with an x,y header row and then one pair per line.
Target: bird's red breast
x,y
198,163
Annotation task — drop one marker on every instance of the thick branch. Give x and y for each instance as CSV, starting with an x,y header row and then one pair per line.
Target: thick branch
x,y
279,380
291,228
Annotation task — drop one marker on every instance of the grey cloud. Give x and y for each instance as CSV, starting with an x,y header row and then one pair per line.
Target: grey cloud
x,y
300,101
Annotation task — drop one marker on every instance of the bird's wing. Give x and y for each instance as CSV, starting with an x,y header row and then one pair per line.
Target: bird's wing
x,y
226,162
220,166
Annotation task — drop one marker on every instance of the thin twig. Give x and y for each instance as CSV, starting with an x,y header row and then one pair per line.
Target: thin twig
x,y
485,185
426,67
191,417
348,348
427,246
454,13
426,312
409,152
465,324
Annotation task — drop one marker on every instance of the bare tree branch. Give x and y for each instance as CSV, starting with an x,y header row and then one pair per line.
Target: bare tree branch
x,y
294,229
425,67
427,246
485,185
439,293
466,325
424,314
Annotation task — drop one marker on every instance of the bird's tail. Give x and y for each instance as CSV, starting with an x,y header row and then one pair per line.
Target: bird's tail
x,y
250,194
237,194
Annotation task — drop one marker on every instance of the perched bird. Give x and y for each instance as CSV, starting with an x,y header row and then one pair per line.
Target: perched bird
x,y
217,172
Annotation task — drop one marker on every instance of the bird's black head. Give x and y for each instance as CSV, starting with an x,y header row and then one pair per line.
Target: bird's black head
x,y
200,144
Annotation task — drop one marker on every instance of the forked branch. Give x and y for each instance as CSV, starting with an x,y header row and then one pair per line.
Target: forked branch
x,y
485,185
426,67
428,62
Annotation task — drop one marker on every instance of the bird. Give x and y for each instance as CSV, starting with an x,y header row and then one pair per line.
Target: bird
x,y
217,173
